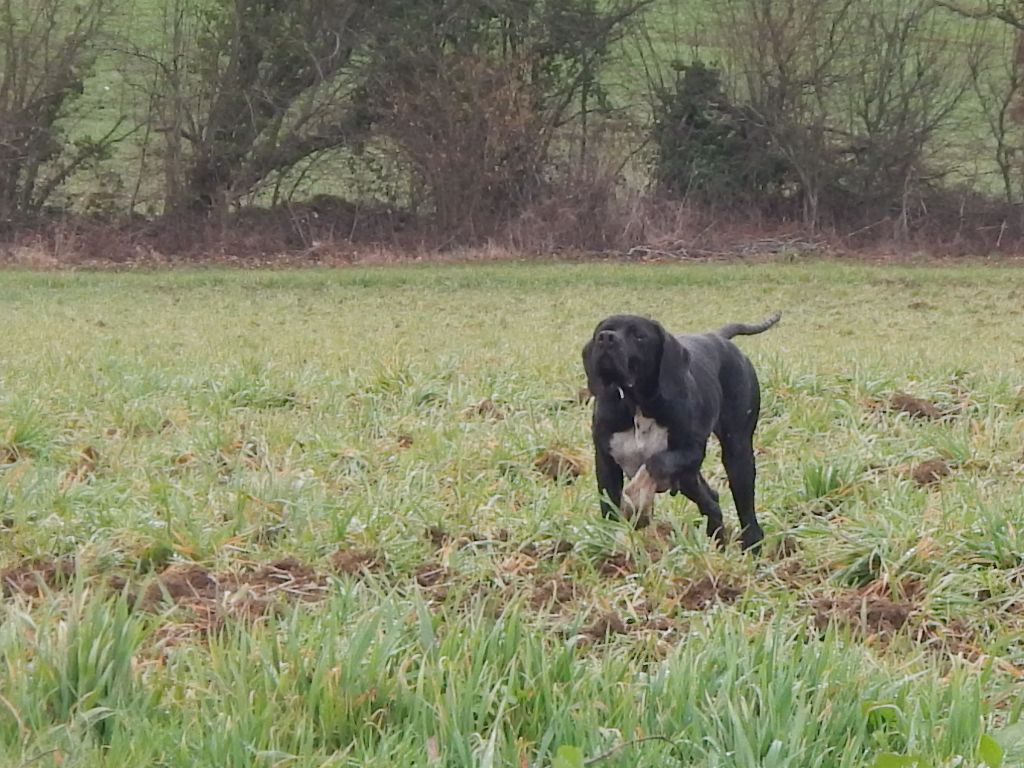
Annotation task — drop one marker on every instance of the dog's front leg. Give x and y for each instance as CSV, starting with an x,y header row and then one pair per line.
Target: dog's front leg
x,y
609,484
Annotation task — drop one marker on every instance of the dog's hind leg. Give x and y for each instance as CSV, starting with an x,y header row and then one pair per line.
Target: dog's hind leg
x,y
738,458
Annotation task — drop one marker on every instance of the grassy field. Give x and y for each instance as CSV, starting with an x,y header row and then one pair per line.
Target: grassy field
x,y
298,519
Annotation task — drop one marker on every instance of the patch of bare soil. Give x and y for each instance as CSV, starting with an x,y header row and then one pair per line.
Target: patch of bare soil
x,y
430,574
603,627
915,407
556,591
780,548
36,575
547,551
616,564
864,614
559,465
352,561
443,539
9,454
210,598
930,472
701,594
486,409
438,536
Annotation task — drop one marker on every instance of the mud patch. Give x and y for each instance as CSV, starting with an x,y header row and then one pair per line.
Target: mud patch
x,y
212,597
178,584
36,575
604,627
864,614
901,402
287,577
486,409
930,472
559,465
438,536
781,548
354,562
701,594
615,564
555,591
547,550
430,574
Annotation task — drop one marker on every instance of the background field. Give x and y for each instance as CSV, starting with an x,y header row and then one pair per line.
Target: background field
x,y
296,519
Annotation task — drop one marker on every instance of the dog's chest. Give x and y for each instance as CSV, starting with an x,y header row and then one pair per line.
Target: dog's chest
x,y
632,447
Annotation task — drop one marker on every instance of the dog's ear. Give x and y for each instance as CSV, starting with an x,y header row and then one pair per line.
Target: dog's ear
x,y
674,361
594,383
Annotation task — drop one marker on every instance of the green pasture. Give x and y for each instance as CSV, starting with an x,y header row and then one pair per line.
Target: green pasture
x,y
297,518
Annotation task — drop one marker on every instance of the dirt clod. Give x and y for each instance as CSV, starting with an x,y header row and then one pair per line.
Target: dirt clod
x,y
487,409
554,591
430,574
180,583
930,472
356,561
35,575
558,465
863,613
604,626
705,592
914,406
616,564
405,441
438,536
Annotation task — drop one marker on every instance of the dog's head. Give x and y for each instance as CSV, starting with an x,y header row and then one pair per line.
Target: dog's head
x,y
631,353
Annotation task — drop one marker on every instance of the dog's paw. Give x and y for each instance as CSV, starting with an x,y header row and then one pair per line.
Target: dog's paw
x,y
751,538
638,498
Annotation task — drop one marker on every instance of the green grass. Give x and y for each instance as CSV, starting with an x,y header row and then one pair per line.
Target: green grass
x,y
221,421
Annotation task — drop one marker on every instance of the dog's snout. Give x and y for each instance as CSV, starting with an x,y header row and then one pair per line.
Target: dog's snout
x,y
605,338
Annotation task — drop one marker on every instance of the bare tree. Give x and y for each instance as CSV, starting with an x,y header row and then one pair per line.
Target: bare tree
x,y
787,56
905,79
250,88
474,93
833,108
47,50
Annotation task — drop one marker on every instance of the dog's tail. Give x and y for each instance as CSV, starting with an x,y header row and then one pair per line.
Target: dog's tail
x,y
741,329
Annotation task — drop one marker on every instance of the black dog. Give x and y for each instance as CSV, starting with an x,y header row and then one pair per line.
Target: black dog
x,y
657,400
